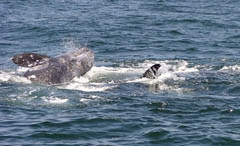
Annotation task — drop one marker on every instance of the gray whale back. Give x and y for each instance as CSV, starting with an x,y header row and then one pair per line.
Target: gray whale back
x,y
62,68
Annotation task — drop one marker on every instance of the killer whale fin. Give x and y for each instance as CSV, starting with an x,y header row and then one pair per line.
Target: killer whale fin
x,y
30,59
152,72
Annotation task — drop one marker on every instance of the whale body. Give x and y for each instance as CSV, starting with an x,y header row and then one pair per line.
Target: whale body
x,y
61,69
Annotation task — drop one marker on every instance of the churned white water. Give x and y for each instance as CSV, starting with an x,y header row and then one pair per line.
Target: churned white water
x,y
102,78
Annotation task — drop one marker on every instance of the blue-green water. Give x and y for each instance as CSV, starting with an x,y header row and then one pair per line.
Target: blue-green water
x,y
195,101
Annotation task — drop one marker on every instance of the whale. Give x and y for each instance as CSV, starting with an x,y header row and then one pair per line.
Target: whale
x,y
44,69
56,70
152,72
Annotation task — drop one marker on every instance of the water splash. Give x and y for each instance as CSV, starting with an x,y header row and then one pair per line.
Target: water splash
x,y
70,44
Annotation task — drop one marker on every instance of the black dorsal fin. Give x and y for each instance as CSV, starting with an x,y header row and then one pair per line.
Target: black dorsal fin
x,y
29,59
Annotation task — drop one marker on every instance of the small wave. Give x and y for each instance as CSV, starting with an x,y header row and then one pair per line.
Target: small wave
x,y
157,133
231,68
54,100
51,97
175,32
90,98
35,96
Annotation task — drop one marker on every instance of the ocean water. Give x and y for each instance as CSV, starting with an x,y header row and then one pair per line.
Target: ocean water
x,y
195,101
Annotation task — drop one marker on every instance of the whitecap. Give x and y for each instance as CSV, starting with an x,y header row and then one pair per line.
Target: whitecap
x,y
54,100
90,98
231,68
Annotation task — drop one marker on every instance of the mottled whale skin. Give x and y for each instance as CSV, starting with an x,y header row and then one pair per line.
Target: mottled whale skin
x,y
62,69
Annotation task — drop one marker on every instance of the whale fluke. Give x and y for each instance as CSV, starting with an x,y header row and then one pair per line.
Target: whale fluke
x,y
29,59
152,72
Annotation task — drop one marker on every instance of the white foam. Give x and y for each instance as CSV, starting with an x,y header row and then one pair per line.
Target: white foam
x,y
8,77
90,98
169,70
54,100
22,69
231,68
88,87
81,80
100,79
112,72
32,77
